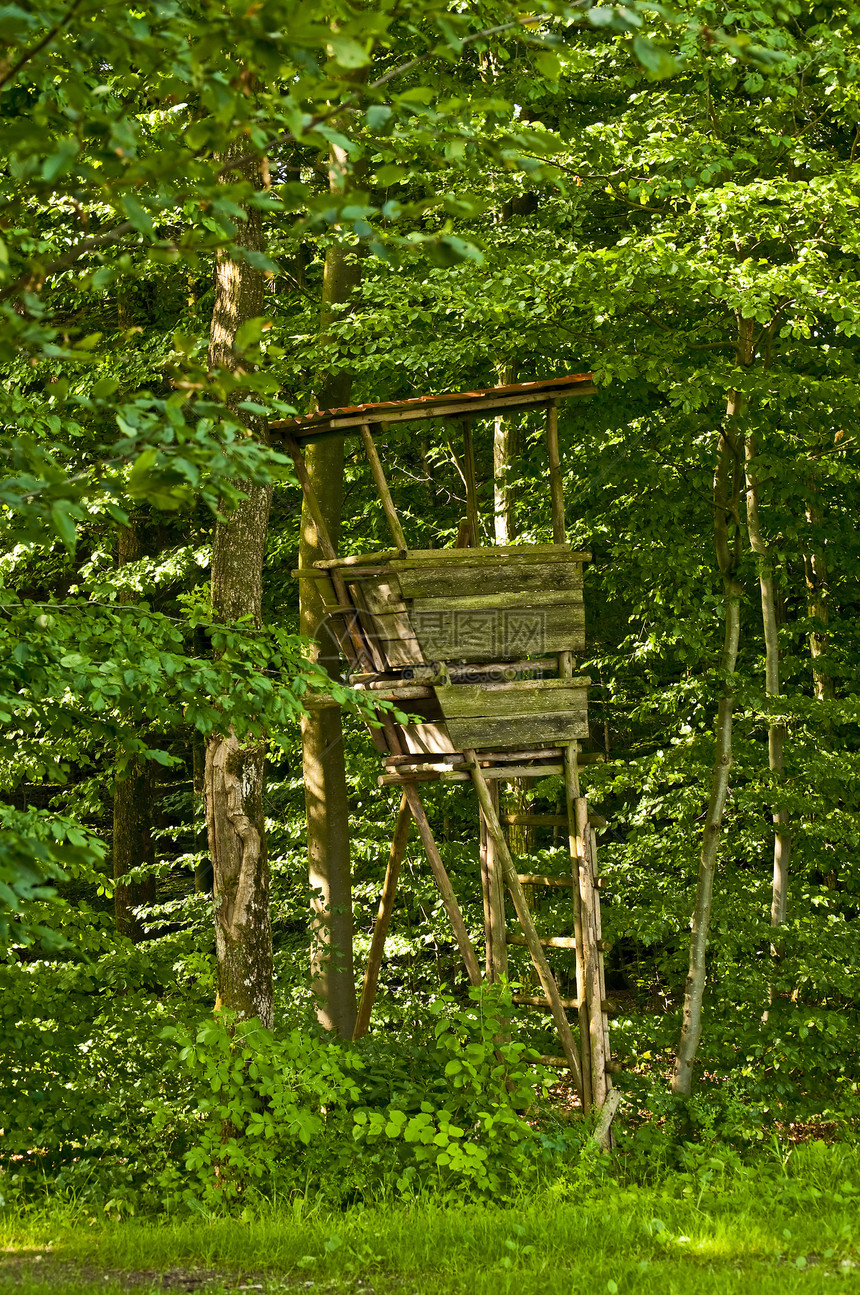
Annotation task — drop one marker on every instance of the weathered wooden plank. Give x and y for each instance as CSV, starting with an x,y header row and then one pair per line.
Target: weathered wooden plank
x,y
517,697
403,692
460,580
500,553
420,739
516,598
514,731
514,771
335,423
492,634
506,773
387,620
382,595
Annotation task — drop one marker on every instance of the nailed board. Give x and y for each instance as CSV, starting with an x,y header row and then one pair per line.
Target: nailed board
x,y
515,731
537,579
426,739
493,634
551,696
427,607
515,714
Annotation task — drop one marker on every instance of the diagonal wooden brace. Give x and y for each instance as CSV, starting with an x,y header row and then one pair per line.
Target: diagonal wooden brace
x,y
512,882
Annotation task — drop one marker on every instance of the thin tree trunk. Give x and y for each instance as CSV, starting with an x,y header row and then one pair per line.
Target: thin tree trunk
x,y
818,602
235,769
775,730
326,800
505,449
133,843
728,478
506,440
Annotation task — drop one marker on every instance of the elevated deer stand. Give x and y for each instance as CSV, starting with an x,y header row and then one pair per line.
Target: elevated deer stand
x,y
478,642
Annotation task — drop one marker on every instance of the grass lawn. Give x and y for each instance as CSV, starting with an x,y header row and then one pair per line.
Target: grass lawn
x,y
758,1231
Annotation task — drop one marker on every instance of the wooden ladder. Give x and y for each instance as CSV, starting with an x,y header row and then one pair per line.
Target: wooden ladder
x,y
592,1073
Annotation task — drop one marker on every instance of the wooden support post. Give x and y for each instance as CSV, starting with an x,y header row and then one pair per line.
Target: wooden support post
x,y
471,483
383,919
588,905
354,648
382,487
556,487
493,886
595,872
571,794
545,975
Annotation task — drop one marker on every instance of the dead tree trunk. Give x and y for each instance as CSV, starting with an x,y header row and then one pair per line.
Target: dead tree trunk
x,y
235,768
326,801
818,602
728,478
775,730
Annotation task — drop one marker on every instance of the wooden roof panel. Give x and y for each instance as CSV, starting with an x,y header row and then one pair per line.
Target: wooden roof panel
x,y
488,400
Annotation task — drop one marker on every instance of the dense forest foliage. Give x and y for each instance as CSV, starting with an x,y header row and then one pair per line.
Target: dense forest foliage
x,y
666,199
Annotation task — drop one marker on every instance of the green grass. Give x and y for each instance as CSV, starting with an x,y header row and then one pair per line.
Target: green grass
x,y
764,1230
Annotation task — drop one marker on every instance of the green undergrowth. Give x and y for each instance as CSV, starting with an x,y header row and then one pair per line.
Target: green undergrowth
x,y
789,1222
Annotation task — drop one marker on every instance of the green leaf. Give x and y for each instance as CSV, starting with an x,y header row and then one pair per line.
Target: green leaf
x,y
64,526
549,64
377,115
61,161
390,174
656,60
348,53
140,219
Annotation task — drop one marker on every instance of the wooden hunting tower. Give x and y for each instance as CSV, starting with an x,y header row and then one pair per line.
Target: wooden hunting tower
x,y
478,645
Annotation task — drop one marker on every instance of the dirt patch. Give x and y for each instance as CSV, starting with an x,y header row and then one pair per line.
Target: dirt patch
x,y
18,1271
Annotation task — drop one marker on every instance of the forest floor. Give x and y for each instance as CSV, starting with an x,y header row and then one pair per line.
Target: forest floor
x,y
754,1234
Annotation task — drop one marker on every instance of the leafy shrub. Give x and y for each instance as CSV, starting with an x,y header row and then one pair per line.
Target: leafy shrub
x,y
141,1110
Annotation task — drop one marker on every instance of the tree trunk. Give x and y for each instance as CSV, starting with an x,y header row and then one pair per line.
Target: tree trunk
x,y
234,769
133,844
326,801
521,836
818,602
728,477
505,449
775,730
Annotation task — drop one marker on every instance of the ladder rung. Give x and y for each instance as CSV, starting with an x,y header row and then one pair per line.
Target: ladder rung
x,y
548,941
558,1063
540,879
559,942
535,1000
535,820
548,820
